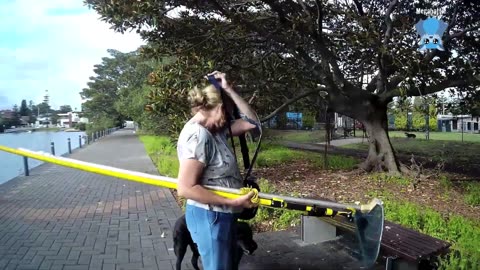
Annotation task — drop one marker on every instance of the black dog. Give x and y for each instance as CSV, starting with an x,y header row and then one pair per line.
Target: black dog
x,y
410,135
182,240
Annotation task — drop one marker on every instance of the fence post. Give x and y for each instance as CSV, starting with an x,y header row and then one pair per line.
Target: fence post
x,y
52,148
25,165
69,146
80,141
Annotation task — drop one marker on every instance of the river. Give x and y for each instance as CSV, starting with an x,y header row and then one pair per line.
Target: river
x,y
12,165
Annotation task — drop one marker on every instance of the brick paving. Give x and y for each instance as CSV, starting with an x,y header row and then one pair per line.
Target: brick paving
x,y
61,218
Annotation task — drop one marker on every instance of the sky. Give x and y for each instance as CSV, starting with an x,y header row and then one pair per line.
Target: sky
x,y
52,45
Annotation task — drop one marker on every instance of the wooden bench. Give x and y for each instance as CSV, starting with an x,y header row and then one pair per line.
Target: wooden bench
x,y
401,248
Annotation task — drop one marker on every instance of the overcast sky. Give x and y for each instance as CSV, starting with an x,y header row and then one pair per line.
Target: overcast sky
x,y
52,44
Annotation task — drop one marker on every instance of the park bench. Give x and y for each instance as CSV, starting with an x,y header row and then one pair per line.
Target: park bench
x,y
401,248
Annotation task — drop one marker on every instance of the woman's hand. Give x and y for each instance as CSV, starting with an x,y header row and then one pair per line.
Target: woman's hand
x,y
223,81
244,201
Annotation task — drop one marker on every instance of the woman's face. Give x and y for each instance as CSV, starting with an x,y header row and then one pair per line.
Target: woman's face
x,y
217,118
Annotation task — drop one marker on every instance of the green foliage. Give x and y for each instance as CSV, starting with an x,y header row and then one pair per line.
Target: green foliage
x,y
472,196
308,120
418,122
118,78
278,219
272,154
299,136
384,177
275,154
462,233
170,85
334,162
81,126
65,109
43,108
445,183
163,153
101,123
24,110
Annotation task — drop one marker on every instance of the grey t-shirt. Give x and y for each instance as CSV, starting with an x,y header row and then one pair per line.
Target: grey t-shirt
x,y
221,169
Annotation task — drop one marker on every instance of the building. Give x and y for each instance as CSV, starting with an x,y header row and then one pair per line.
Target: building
x,y
455,123
70,119
7,114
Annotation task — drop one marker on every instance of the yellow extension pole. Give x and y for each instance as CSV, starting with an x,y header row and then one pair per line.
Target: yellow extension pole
x,y
263,199
150,179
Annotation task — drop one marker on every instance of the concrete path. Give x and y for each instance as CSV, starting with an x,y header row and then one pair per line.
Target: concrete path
x,y
340,142
61,218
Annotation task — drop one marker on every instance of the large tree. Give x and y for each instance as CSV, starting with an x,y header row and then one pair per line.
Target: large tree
x,y
65,109
24,110
111,93
363,53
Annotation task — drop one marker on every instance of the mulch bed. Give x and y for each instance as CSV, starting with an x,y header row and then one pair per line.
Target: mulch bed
x,y
350,186
301,178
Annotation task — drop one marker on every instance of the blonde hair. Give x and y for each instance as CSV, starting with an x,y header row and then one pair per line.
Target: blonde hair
x,y
204,99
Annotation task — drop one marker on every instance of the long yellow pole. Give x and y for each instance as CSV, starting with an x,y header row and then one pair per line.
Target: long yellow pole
x,y
263,199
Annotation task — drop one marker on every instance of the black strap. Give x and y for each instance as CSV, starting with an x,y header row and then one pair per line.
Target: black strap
x,y
236,115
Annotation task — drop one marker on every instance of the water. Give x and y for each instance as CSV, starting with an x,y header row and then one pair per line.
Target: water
x,y
11,165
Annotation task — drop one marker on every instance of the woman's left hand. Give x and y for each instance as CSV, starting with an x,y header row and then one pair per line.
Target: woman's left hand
x,y
223,81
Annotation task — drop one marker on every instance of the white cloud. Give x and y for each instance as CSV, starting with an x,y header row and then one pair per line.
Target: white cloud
x,y
52,45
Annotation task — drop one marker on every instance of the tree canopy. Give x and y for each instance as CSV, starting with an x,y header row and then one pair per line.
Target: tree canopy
x,y
362,53
111,92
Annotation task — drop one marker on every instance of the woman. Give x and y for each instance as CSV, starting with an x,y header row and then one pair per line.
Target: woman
x,y
206,159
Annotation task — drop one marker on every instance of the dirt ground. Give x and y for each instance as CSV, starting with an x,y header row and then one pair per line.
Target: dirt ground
x,y
303,179
355,185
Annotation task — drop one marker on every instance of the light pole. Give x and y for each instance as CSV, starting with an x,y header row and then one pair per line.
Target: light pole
x,y
427,120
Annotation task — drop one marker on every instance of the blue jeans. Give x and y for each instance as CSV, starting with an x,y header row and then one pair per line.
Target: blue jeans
x,y
214,234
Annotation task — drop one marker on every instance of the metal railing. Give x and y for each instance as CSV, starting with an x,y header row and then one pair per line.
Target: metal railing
x,y
89,139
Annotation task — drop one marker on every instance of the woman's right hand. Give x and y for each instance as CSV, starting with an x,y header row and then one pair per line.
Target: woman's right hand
x,y
245,201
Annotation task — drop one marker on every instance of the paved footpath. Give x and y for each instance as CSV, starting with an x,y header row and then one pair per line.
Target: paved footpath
x,y
62,218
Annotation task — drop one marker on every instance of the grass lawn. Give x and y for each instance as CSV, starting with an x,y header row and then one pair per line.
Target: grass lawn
x,y
441,136
465,155
300,136
462,232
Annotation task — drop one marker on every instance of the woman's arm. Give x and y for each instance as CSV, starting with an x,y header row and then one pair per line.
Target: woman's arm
x,y
242,105
188,187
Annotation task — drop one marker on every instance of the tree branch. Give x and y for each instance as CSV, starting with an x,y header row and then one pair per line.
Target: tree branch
x,y
326,54
461,33
379,82
453,20
395,81
290,101
319,17
305,9
388,20
359,7
253,64
475,81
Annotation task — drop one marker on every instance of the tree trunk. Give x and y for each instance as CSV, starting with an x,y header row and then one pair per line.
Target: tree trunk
x,y
381,156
